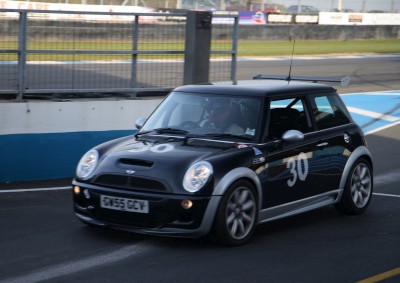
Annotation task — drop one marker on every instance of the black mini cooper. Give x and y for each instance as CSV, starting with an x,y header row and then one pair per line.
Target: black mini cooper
x,y
217,160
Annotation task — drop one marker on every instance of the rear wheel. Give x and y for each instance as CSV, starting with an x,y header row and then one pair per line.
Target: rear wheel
x,y
358,190
237,214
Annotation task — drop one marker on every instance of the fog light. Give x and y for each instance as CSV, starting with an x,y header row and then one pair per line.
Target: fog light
x,y
77,190
186,204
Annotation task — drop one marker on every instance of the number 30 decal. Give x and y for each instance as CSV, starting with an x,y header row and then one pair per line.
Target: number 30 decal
x,y
298,168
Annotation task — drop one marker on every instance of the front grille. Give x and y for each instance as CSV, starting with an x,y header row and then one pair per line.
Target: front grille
x,y
130,182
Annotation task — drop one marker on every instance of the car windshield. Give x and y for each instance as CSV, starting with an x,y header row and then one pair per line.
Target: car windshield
x,y
211,116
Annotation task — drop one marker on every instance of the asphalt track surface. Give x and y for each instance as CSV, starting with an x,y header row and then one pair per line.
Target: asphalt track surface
x,y
367,72
42,241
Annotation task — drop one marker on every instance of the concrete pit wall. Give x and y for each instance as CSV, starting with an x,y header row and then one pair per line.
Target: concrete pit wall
x,y
41,140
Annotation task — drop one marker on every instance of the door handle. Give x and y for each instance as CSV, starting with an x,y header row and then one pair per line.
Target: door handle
x,y
322,144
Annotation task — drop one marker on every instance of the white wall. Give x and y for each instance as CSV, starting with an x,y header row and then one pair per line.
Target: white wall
x,y
327,18
72,116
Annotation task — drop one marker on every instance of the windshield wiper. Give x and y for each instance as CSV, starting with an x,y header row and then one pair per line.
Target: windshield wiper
x,y
170,131
162,131
224,135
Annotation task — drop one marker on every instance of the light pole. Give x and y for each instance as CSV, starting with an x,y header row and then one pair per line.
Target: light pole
x,y
339,6
223,5
298,6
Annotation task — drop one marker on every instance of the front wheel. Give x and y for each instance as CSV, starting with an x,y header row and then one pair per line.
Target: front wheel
x,y
237,214
358,190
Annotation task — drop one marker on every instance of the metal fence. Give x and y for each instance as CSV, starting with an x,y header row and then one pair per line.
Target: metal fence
x,y
45,53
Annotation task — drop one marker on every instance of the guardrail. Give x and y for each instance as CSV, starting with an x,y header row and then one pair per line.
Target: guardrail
x,y
79,53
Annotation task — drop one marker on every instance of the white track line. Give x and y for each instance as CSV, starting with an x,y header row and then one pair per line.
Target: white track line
x,y
382,128
35,190
386,195
372,114
68,268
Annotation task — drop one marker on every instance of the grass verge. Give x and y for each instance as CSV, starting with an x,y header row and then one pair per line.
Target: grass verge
x,y
279,48
245,49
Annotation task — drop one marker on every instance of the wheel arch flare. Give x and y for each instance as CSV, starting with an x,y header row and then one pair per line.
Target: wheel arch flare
x,y
237,174
361,151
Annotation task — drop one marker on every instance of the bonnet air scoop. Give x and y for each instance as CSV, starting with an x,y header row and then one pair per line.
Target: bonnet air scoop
x,y
136,162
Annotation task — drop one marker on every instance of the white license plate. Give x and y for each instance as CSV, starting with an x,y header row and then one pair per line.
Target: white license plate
x,y
124,204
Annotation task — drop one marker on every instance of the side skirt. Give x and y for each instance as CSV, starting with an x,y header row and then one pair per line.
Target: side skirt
x,y
297,207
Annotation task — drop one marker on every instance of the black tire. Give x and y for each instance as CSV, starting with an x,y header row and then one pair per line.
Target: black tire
x,y
358,190
237,214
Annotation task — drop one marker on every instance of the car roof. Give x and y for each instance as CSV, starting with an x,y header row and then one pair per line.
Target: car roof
x,y
261,88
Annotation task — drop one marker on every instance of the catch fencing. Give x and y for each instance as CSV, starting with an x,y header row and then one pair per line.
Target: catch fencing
x,y
97,54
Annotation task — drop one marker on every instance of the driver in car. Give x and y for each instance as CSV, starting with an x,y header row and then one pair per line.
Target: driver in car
x,y
223,116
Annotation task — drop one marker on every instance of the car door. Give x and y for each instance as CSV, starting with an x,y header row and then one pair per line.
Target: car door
x,y
293,170
332,121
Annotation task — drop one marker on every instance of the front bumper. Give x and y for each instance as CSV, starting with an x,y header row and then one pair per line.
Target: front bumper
x,y
166,215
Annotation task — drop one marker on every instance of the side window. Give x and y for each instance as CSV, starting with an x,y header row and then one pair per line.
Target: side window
x,y
287,114
329,111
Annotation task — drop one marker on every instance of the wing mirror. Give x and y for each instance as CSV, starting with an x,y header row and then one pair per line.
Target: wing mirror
x,y
139,123
292,136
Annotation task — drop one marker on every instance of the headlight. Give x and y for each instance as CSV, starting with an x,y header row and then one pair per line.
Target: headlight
x,y
87,164
196,176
